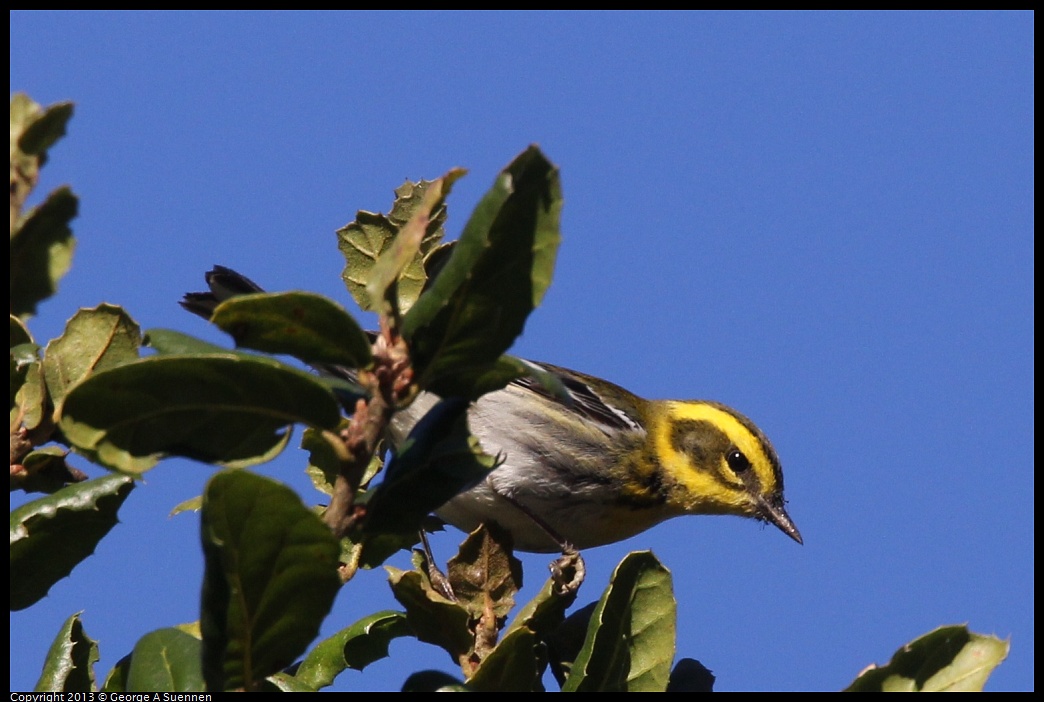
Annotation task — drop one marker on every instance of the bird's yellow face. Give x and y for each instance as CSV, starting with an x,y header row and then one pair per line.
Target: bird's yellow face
x,y
719,463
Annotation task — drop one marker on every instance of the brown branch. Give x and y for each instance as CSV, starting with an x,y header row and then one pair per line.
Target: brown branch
x,y
390,383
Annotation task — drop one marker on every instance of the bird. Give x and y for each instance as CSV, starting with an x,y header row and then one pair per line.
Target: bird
x,y
601,464
594,465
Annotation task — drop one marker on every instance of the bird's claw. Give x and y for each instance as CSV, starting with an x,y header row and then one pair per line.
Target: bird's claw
x,y
568,572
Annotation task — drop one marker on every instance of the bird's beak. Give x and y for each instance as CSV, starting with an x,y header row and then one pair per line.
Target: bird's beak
x,y
776,514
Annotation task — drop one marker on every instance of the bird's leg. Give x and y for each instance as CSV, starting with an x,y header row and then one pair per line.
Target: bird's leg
x,y
567,571
438,579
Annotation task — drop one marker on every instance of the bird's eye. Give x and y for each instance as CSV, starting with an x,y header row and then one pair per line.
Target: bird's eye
x,y
737,461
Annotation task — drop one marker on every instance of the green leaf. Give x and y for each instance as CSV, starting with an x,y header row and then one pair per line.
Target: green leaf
x,y
363,241
51,535
174,343
367,640
324,465
630,639
69,666
356,647
94,340
404,250
486,378
307,326
192,504
433,681
41,251
227,409
29,400
166,660
24,111
373,550
284,682
190,628
270,578
435,259
511,667
409,197
46,471
496,275
439,459
19,332
565,641
23,355
32,403
689,675
948,659
42,132
545,612
168,342
116,680
33,131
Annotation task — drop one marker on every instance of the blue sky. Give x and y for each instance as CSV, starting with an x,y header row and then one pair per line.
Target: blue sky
x,y
823,220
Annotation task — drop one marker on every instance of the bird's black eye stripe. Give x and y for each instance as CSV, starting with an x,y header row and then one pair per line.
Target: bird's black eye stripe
x,y
737,461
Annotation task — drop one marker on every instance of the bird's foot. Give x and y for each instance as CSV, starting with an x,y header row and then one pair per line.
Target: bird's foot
x,y
568,571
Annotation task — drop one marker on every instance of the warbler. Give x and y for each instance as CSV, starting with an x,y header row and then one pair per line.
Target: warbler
x,y
597,465
604,464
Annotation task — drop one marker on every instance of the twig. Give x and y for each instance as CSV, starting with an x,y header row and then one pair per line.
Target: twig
x,y
390,383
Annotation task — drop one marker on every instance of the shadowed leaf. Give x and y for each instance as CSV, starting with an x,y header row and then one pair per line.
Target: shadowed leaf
x,y
167,660
45,129
226,409
510,667
630,637
949,659
433,681
69,666
270,579
41,251
439,459
51,535
496,275
304,325
355,647
689,675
